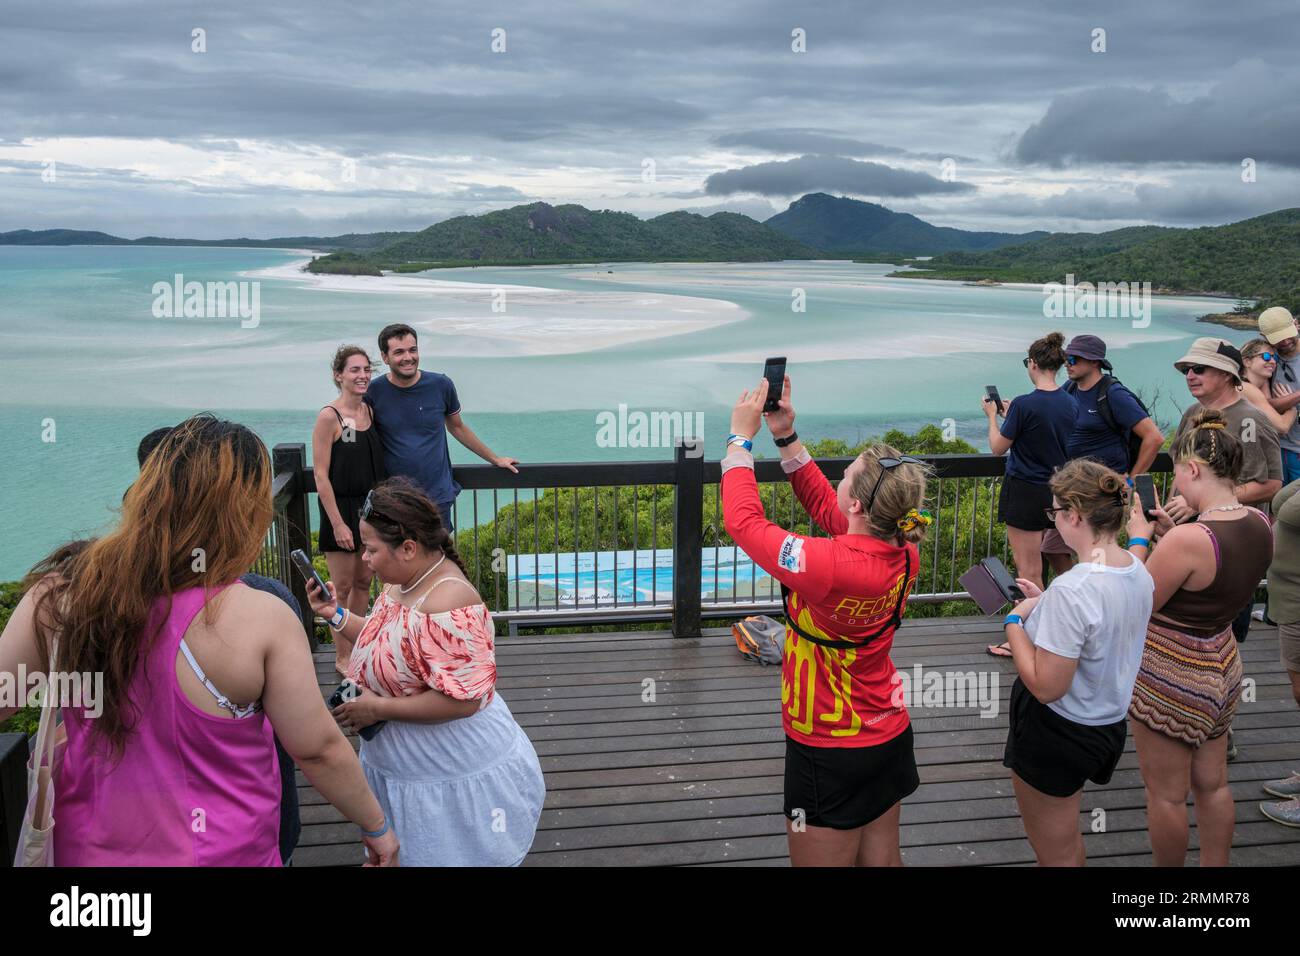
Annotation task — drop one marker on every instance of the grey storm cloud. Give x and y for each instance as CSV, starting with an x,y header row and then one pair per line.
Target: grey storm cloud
x,y
585,91
823,142
806,174
1253,112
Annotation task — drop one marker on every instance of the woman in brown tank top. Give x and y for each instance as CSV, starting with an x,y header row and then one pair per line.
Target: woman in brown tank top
x,y
1190,680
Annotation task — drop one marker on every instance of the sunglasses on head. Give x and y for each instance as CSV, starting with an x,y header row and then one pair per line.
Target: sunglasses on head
x,y
886,466
368,511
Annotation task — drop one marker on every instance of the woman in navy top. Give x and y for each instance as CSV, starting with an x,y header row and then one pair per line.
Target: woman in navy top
x,y
1035,431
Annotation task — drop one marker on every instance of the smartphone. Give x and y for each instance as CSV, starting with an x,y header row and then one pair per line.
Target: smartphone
x,y
774,372
1003,579
345,692
992,392
300,561
1145,487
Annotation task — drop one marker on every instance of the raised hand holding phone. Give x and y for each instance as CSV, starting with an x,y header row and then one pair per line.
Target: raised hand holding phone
x,y
781,422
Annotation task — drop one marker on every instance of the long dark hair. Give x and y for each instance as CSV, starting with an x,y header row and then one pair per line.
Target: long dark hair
x,y
402,512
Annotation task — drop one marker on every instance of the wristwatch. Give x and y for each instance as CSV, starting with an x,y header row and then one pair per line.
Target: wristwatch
x,y
1013,619
788,439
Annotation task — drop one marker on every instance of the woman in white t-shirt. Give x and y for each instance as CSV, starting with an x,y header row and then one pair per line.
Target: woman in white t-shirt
x,y
1078,646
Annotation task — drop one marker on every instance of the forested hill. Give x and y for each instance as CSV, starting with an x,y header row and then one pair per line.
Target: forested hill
x,y
851,226
1254,258
539,231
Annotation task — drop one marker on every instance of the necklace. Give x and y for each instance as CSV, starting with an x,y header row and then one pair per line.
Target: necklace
x,y
1235,507
433,567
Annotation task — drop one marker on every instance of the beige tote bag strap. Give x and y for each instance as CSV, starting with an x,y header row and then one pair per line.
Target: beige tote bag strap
x,y
46,732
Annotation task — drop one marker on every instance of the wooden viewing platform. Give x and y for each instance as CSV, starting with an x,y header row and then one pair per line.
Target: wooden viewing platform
x,y
695,777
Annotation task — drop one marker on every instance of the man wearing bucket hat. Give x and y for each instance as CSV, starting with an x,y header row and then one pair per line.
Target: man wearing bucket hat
x,y
1113,426
1110,415
1279,328
1212,370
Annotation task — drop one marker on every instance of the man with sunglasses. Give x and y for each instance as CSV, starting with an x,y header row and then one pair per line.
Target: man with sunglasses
x,y
1108,412
1279,328
1212,370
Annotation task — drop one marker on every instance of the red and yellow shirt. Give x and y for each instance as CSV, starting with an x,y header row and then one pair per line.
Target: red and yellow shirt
x,y
843,588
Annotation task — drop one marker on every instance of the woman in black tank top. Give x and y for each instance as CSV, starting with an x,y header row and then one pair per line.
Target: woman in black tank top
x,y
348,461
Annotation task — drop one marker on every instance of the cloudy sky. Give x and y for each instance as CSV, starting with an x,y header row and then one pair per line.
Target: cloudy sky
x,y
320,118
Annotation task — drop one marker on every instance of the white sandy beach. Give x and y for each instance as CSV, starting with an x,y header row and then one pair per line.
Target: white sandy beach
x,y
532,320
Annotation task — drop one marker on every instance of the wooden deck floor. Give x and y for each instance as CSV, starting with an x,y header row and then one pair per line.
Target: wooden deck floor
x,y
695,777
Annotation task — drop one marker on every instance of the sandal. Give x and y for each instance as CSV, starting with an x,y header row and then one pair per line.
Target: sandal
x,y
999,650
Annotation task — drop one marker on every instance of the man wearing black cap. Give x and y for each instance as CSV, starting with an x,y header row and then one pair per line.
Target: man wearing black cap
x,y
1108,412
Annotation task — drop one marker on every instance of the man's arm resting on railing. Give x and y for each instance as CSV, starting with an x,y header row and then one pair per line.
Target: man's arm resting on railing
x,y
465,435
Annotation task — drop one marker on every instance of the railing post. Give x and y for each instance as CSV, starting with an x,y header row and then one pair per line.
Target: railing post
x,y
13,793
292,457
688,533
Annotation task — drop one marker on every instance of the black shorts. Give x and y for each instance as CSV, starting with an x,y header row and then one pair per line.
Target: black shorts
x,y
1022,504
847,787
1055,755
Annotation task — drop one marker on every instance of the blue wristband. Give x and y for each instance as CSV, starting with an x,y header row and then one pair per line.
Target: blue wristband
x,y
1013,619
740,440
1133,542
375,834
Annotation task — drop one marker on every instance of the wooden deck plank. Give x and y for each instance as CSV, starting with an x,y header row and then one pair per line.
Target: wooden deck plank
x,y
695,776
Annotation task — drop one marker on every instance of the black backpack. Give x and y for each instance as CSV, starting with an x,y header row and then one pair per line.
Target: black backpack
x,y
1132,443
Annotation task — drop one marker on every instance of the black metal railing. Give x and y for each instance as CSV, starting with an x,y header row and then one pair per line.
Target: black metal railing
x,y
607,542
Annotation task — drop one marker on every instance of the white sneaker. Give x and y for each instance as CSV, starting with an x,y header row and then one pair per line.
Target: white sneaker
x,y
1257,614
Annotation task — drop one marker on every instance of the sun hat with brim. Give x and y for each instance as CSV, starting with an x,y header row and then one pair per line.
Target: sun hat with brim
x,y
1216,353
1089,347
1276,325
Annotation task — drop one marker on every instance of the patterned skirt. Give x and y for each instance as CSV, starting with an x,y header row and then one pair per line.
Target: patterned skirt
x,y
1188,686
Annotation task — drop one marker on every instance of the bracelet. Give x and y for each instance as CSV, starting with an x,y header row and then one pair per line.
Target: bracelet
x,y
788,439
740,440
1134,542
375,834
1013,619
340,618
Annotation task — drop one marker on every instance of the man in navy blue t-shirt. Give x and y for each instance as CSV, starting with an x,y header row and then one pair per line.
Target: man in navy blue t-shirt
x,y
414,410
1085,363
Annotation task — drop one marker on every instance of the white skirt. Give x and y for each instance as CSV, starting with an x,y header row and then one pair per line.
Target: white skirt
x,y
467,792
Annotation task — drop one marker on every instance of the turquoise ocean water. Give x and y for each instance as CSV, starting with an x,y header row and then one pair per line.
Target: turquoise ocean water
x,y
537,355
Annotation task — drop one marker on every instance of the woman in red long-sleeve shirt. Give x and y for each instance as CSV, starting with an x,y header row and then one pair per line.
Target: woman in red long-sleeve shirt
x,y
849,759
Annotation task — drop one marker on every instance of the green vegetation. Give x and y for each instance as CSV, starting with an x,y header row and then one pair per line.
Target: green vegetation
x,y
358,242
605,521
344,263
540,233
26,720
1254,259
851,227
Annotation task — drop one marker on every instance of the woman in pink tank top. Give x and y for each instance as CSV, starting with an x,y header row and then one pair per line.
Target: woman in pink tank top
x,y
170,759
212,784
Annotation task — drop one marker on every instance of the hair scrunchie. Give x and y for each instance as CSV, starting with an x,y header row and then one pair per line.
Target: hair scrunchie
x,y
913,518
1216,426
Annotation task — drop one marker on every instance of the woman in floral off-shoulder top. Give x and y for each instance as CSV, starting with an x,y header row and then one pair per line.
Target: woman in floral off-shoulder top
x,y
456,775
